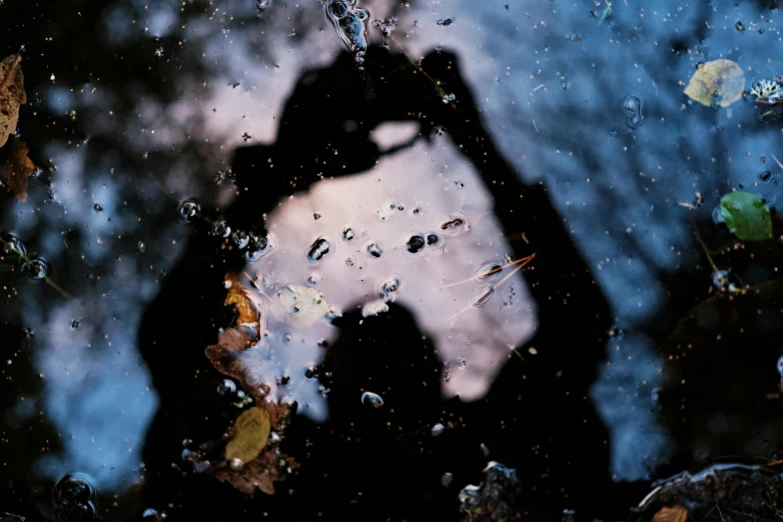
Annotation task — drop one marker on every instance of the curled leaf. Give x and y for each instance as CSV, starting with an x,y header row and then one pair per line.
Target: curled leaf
x,y
298,306
16,168
671,514
719,82
12,95
746,216
248,308
249,435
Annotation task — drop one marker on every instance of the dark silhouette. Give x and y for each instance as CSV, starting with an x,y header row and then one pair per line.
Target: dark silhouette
x,y
536,417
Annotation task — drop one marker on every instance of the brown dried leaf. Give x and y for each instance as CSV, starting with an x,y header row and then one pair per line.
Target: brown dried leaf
x,y
16,168
245,305
671,514
12,95
262,473
269,465
249,435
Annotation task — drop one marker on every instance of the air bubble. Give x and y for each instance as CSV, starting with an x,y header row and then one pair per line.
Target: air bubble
x,y
433,239
141,246
372,399
632,105
334,313
241,239
313,279
262,4
348,234
389,288
780,365
97,207
350,25
437,429
75,324
483,296
37,268
452,225
488,272
445,21
188,209
765,175
75,498
415,243
374,249
320,247
221,229
227,387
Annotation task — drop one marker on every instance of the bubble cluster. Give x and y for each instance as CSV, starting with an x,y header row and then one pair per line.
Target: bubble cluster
x,y
75,498
350,24
320,247
258,247
188,209
632,106
386,27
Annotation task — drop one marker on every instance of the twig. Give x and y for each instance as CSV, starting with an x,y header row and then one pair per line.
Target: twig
x,y
703,246
490,272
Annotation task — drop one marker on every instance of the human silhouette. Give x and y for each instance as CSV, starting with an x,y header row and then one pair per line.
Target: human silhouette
x,y
382,464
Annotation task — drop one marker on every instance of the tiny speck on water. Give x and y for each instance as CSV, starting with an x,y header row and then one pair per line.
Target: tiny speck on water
x,y
97,207
141,246
75,324
445,21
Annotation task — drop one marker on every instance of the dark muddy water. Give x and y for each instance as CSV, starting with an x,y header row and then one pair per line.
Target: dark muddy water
x,y
472,232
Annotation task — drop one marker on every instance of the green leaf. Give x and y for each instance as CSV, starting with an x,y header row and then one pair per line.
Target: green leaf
x,y
746,216
719,82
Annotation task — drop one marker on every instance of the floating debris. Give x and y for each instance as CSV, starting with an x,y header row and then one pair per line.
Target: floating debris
x,y
350,24
768,91
298,306
719,82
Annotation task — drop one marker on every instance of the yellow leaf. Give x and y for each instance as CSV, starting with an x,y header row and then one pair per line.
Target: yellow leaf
x,y
671,514
719,82
249,435
12,95
238,296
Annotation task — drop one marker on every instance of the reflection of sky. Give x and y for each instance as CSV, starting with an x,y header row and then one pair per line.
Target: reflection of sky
x,y
618,193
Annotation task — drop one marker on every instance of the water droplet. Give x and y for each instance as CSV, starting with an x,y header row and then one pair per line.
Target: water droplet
x,y
372,399
374,249
446,479
765,175
320,247
97,207
437,429
488,272
389,288
452,225
433,239
483,296
221,229
188,209
717,217
227,387
75,498
36,268
564,85
415,244
348,234
655,395
75,324
635,121
258,247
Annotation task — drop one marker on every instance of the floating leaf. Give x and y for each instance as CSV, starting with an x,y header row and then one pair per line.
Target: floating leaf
x,y
298,306
746,216
16,168
719,82
248,435
12,95
246,305
671,514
